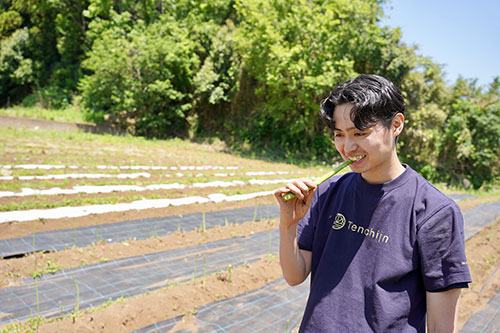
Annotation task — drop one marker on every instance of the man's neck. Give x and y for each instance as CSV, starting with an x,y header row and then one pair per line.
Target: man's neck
x,y
385,173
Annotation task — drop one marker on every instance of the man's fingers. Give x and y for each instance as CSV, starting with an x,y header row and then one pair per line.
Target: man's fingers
x,y
310,196
310,183
297,188
301,188
278,194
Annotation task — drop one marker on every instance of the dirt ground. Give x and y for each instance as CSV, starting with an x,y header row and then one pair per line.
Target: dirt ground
x,y
483,252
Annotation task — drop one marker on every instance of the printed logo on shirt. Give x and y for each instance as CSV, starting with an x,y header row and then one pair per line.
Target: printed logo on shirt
x,y
378,235
339,222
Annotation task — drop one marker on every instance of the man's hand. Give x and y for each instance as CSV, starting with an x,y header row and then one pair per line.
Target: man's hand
x,y
295,263
293,210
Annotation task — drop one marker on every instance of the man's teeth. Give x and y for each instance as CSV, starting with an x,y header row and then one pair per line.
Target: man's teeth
x,y
356,158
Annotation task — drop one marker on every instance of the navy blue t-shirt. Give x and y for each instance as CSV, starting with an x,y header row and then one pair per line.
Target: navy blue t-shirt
x,y
376,250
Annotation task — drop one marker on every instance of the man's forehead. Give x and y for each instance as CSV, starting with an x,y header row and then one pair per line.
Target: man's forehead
x,y
342,112
344,107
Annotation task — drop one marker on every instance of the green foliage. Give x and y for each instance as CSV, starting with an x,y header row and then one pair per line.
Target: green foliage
x,y
52,97
427,100
216,79
16,68
9,22
292,54
470,148
142,77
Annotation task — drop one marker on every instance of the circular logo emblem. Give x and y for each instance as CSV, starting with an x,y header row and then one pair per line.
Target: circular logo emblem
x,y
339,222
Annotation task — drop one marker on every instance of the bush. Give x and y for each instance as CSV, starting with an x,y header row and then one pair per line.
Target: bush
x,y
470,147
141,77
49,98
16,69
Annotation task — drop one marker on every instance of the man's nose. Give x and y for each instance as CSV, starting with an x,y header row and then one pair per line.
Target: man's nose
x,y
350,145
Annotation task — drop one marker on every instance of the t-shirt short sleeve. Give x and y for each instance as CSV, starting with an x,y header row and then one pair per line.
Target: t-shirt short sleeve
x,y
442,249
306,226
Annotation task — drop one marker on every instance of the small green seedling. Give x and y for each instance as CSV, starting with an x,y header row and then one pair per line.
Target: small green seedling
x,y
229,270
203,227
77,305
288,196
269,254
74,235
37,299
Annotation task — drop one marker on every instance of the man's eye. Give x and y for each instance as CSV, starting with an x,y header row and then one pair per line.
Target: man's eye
x,y
359,134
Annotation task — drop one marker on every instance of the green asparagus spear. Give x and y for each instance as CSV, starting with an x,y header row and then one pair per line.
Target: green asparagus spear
x,y
288,196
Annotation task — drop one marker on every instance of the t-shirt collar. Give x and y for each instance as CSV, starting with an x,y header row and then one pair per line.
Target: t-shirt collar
x,y
387,186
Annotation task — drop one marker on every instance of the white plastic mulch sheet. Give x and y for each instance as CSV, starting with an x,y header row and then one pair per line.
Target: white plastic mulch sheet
x,y
60,212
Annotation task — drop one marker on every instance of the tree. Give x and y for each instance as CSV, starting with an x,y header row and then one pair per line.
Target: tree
x,y
10,21
16,68
141,76
470,149
427,101
292,54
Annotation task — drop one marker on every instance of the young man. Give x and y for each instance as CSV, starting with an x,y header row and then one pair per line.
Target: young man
x,y
384,247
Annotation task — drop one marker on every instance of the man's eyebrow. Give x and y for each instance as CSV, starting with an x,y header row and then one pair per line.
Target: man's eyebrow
x,y
349,129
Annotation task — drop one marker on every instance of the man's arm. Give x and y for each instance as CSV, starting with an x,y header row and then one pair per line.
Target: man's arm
x,y
295,263
442,310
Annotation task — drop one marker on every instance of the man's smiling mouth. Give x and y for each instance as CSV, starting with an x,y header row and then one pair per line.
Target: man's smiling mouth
x,y
357,158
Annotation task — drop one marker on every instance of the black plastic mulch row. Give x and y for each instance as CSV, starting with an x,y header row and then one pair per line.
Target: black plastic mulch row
x,y
272,308
480,216
139,229
486,320
94,284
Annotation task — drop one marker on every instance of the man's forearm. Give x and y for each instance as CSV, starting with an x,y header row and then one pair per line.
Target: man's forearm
x,y
442,311
295,264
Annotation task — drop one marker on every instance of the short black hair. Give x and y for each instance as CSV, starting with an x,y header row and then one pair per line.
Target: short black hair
x,y
373,97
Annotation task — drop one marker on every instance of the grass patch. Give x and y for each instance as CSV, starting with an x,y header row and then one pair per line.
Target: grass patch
x,y
45,202
80,148
155,178
70,114
51,266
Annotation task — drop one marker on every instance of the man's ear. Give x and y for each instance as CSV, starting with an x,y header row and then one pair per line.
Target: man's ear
x,y
398,123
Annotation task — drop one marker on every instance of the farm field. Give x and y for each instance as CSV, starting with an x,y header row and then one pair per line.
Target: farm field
x,y
119,200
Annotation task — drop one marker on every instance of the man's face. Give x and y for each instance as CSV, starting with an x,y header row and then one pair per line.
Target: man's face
x,y
372,149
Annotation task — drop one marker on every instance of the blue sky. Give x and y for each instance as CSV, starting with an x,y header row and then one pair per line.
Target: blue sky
x,y
462,35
